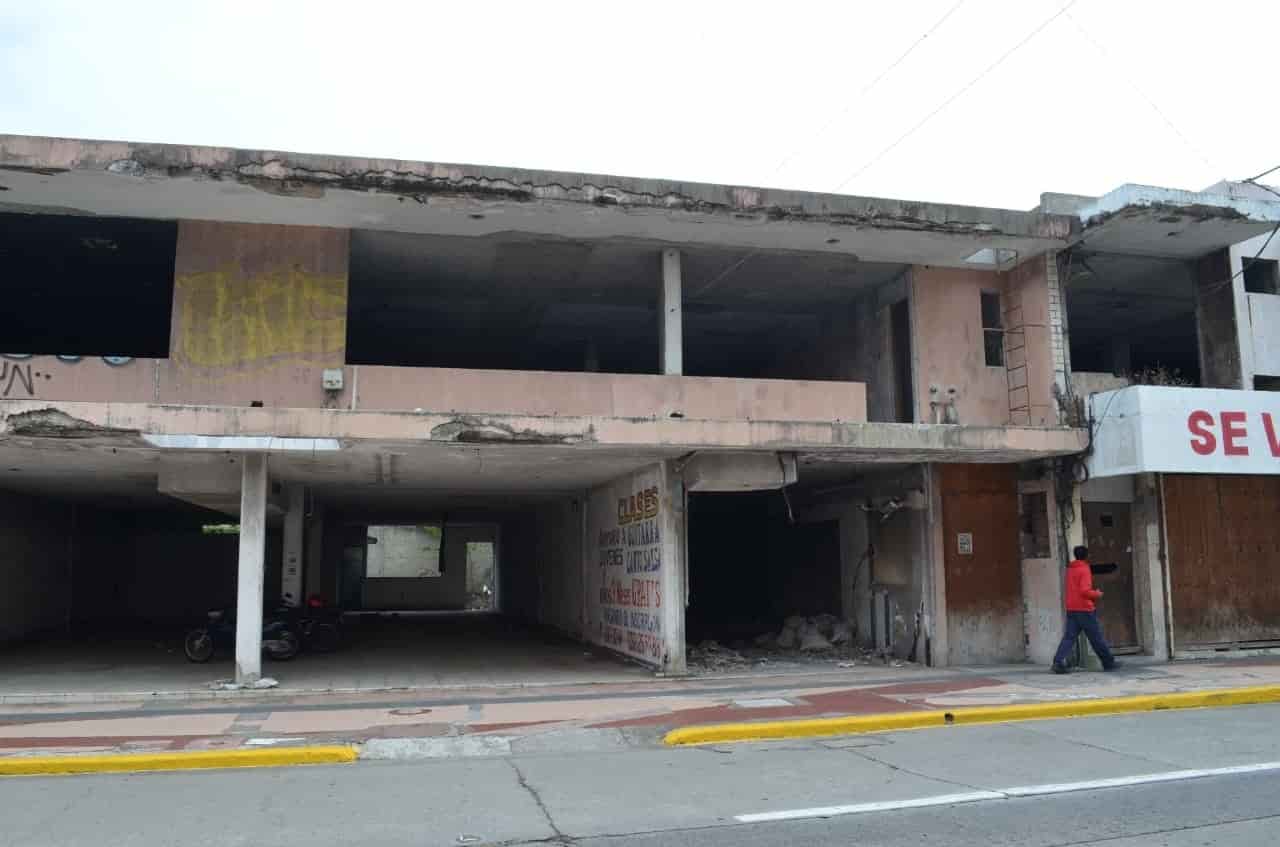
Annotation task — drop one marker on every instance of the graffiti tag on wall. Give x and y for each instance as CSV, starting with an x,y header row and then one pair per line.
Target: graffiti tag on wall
x,y
20,378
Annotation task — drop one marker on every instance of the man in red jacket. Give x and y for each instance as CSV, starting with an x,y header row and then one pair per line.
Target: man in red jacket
x,y
1081,614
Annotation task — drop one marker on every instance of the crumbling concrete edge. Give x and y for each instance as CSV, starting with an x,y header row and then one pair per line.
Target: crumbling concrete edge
x,y
856,724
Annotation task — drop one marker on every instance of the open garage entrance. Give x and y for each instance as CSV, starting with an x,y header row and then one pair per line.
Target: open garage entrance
x,y
458,566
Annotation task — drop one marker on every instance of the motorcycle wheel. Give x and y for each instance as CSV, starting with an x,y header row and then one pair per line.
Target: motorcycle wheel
x,y
283,647
198,645
323,638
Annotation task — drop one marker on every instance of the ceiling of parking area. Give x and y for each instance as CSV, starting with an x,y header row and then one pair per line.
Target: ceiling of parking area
x,y
1111,294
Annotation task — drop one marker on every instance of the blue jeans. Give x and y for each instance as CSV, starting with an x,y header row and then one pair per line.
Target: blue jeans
x,y
1086,622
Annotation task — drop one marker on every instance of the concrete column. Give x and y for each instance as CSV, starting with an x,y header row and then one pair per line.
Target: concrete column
x,y
314,571
253,543
291,576
671,320
934,572
1148,570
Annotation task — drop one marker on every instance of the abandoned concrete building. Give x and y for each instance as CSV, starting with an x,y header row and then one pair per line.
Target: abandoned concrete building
x,y
640,413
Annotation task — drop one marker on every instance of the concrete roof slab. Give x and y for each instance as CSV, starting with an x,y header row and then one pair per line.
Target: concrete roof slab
x,y
1165,222
258,186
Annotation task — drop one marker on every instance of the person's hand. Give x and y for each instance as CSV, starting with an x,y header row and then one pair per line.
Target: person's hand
x,y
1100,594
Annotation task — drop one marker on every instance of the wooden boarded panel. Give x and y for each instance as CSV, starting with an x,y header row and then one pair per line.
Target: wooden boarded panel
x,y
1108,532
1224,558
983,587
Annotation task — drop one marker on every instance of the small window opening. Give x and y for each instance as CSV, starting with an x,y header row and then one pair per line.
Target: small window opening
x,y
1035,525
1261,276
403,552
1266,383
992,330
1108,521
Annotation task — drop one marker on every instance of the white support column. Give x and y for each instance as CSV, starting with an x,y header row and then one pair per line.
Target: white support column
x,y
253,537
291,575
671,321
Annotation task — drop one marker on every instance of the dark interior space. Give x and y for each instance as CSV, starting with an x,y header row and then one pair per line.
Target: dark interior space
x,y
516,302
750,568
1133,316
78,286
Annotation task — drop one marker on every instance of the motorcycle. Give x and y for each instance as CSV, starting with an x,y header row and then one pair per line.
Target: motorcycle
x,y
320,626
279,641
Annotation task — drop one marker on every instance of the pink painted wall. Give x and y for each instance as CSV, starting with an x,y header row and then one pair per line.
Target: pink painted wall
x,y
1026,307
948,334
444,390
540,393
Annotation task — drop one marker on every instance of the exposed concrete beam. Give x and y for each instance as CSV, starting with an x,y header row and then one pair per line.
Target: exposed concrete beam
x,y
739,471
123,424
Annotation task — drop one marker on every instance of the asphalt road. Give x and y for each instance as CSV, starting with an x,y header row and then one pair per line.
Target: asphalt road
x,y
699,796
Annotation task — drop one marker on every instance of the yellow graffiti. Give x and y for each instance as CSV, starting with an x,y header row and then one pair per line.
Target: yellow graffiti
x,y
227,319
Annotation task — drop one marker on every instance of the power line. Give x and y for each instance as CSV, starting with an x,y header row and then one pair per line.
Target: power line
x,y
956,96
1102,51
1265,173
869,86
829,124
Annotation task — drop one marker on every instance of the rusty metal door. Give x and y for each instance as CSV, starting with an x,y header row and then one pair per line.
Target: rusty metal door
x,y
1108,532
982,563
1224,558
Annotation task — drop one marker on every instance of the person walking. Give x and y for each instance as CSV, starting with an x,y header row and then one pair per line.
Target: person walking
x,y
1082,615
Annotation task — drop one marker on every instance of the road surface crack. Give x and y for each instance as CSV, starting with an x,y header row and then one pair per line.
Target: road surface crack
x,y
558,837
893,767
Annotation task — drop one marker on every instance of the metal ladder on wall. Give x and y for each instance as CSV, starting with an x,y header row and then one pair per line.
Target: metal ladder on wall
x,y
1015,358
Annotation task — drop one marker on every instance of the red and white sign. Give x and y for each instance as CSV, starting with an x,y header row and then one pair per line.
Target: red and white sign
x,y
1146,429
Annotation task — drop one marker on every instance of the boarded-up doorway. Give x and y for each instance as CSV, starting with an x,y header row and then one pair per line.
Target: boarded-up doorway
x,y
1108,530
1224,556
982,564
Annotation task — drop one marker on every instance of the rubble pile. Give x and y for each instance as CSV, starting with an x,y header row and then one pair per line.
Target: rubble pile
x,y
713,656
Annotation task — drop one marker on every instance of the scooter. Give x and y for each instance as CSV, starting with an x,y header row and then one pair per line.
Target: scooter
x,y
279,641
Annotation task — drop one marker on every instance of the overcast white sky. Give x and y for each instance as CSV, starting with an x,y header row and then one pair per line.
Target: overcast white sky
x,y
769,93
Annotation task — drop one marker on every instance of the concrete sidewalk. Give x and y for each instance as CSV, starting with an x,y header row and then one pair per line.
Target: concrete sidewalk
x,y
498,721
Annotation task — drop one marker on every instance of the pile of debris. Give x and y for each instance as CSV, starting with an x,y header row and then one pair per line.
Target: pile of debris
x,y
711,656
820,632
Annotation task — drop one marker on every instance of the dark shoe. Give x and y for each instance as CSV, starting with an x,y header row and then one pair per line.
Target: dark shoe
x,y
1057,668
1115,666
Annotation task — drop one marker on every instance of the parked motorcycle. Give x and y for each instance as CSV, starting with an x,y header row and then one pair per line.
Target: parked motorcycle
x,y
320,626
279,641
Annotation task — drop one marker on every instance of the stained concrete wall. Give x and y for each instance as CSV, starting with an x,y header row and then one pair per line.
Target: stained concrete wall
x,y
635,567
257,310
1029,359
35,566
1217,323
1042,577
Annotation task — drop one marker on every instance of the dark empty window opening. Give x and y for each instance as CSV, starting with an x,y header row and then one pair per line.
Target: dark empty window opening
x,y
77,286
1261,276
746,584
504,302
1133,317
1035,525
1266,383
992,330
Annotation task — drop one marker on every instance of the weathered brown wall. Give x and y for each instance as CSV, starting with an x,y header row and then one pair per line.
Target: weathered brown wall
x,y
257,310
1216,322
984,589
1224,556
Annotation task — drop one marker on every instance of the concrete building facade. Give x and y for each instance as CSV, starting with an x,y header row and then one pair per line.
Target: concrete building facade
x,y
661,412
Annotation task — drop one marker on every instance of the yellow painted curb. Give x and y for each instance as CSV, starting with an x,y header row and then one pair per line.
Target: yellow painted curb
x,y
177,761
853,724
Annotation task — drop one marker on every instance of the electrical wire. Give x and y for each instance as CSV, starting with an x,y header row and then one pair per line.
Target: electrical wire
x,y
956,96
1102,51
871,85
